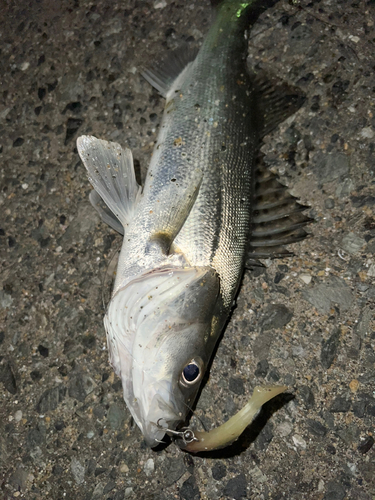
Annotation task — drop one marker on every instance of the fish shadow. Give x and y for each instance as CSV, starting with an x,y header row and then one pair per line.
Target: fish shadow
x,y
251,433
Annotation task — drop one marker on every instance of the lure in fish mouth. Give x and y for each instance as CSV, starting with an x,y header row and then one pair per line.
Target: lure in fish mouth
x,y
205,203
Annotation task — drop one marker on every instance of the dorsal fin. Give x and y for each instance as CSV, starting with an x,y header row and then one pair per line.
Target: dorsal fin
x,y
278,218
169,71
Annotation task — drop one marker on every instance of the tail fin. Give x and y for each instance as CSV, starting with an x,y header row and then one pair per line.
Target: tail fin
x,y
250,10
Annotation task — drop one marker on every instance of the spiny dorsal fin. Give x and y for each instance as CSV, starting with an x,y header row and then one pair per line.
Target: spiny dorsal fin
x,y
278,218
168,71
111,173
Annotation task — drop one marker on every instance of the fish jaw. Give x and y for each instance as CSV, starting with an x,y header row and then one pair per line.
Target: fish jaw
x,y
158,324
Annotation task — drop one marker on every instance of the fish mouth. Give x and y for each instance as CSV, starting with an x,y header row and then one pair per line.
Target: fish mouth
x,y
160,419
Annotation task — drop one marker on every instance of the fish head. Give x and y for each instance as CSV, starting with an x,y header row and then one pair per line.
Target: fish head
x,y
159,329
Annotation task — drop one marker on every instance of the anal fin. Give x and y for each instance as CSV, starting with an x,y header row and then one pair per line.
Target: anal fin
x,y
276,100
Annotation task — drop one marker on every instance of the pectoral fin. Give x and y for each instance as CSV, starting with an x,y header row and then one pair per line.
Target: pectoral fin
x,y
175,201
111,173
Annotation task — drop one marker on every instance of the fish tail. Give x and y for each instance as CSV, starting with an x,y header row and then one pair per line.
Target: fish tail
x,y
247,11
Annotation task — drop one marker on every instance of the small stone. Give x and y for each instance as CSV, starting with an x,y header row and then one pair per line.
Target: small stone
x,y
334,291
98,492
7,378
284,429
219,471
345,188
18,416
329,203
77,470
175,468
5,299
329,349
81,386
275,316
128,492
366,445
236,487
363,326
335,491
261,345
359,408
274,375
189,489
116,416
340,404
354,384
371,271
99,411
149,467
123,468
90,434
354,38
367,133
18,142
160,4
307,396
51,398
19,478
236,385
299,441
351,243
306,278
109,487
316,427
262,368
331,166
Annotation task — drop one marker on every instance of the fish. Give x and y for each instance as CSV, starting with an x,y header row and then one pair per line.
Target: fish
x,y
207,208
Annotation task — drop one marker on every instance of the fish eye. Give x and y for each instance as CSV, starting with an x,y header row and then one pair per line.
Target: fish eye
x,y
191,373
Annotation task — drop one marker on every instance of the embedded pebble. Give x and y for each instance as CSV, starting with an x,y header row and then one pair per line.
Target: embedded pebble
x,y
335,290
367,133
78,471
18,416
329,348
306,278
351,243
189,489
236,487
116,416
331,166
299,441
284,429
149,467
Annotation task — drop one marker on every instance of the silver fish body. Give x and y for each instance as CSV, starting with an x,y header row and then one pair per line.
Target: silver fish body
x,y
186,235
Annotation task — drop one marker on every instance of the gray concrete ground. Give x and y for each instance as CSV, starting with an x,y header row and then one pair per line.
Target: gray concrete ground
x,y
72,67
